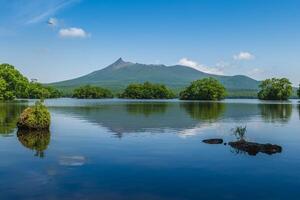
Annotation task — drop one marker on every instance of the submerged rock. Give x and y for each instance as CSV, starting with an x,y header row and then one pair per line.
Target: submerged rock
x,y
36,117
253,148
213,141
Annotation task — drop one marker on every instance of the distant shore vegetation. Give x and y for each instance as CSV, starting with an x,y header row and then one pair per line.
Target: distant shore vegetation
x,y
14,85
92,92
204,89
147,90
275,89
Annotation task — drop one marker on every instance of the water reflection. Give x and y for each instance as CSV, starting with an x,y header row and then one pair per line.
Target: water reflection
x,y
276,112
35,140
147,109
208,111
9,113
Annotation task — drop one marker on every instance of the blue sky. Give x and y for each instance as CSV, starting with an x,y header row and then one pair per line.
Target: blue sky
x,y
55,40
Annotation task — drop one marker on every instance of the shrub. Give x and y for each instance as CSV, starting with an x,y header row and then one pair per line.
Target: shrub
x,y
147,91
275,89
204,89
36,117
92,92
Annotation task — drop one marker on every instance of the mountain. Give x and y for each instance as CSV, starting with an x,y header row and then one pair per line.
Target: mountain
x,y
119,74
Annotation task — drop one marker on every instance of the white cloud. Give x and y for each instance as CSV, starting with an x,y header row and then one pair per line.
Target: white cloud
x,y
243,56
52,22
73,33
200,67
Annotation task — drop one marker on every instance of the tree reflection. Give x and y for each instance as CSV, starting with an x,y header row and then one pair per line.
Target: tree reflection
x,y
35,140
276,112
146,109
208,111
9,113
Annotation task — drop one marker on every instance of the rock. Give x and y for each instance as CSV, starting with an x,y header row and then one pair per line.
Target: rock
x,y
36,117
213,141
253,148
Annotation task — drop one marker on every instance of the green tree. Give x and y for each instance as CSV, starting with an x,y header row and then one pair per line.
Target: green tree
x,y
14,85
147,91
92,92
204,89
275,89
298,91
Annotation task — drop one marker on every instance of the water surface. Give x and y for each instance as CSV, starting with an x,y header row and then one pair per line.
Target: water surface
x,y
122,149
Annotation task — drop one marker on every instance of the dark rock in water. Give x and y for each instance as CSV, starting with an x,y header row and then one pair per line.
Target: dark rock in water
x,y
253,148
213,141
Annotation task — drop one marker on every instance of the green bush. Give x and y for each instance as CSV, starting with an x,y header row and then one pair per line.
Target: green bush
x,y
36,117
92,92
204,89
275,89
147,91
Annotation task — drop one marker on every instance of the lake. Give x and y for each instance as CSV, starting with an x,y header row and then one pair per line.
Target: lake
x,y
127,150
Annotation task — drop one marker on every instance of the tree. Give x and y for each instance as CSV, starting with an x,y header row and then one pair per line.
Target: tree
x,y
204,89
275,89
147,90
14,85
298,91
92,92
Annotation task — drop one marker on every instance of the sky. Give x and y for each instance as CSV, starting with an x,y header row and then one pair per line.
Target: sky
x,y
56,40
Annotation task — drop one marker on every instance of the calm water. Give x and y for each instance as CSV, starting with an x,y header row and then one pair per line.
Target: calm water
x,y
113,149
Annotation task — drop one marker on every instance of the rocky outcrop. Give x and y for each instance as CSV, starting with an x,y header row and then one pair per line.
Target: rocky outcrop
x,y
253,148
213,141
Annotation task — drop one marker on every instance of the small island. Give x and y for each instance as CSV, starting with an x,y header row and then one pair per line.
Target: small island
x,y
36,117
147,90
275,89
204,89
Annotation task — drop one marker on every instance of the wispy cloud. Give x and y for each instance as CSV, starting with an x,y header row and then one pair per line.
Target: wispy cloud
x,y
243,56
73,33
200,67
49,11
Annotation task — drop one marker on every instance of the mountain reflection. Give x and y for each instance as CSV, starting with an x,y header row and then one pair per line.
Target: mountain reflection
x,y
9,113
207,111
35,140
276,112
158,117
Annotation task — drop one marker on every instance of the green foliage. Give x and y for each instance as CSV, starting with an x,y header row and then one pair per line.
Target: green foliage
x,y
14,85
240,132
38,91
37,140
275,89
147,91
92,92
204,89
298,91
36,117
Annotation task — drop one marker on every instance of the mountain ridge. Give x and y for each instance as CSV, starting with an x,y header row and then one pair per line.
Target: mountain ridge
x,y
119,74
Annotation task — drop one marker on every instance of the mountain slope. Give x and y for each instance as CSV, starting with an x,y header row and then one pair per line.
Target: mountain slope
x,y
119,74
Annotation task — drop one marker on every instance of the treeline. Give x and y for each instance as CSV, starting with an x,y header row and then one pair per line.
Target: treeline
x,y
203,89
14,85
